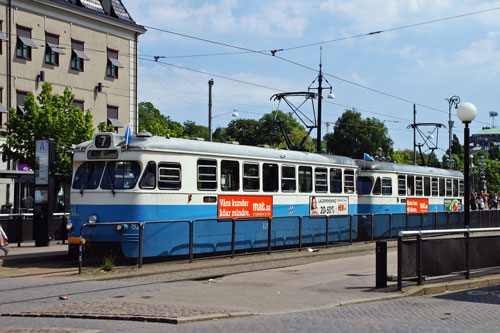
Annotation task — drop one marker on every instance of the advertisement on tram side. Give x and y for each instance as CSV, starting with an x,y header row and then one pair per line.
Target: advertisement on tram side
x,y
452,205
417,205
329,206
244,206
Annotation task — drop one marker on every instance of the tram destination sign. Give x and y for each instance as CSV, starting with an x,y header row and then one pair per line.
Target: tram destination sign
x,y
245,206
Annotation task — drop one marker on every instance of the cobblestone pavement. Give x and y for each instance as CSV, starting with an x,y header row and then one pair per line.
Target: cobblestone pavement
x,y
447,313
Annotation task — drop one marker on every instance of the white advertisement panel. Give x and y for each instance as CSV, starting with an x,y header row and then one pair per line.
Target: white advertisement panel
x,y
329,205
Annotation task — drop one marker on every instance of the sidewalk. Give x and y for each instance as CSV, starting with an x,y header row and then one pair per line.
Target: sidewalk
x,y
338,282
29,253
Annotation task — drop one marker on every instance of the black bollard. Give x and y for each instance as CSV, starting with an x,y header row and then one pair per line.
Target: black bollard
x,y
381,264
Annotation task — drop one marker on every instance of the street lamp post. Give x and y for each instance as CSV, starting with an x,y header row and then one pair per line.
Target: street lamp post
x,y
466,112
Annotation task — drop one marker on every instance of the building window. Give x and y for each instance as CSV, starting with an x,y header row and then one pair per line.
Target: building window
x,y
20,97
3,109
113,64
77,55
52,49
113,117
79,103
24,43
2,37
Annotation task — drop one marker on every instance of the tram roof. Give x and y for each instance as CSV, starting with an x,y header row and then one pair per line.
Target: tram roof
x,y
407,168
217,148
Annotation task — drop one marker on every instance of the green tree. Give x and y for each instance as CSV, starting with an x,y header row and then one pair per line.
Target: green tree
x,y
245,131
353,136
53,117
492,171
191,130
270,133
493,151
151,120
403,156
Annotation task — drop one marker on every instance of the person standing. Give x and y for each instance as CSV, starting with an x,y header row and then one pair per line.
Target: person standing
x,y
4,241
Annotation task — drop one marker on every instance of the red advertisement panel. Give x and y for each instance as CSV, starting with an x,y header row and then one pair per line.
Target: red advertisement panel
x,y
417,205
244,206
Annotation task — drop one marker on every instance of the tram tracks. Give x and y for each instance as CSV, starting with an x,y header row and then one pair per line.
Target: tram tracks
x,y
171,272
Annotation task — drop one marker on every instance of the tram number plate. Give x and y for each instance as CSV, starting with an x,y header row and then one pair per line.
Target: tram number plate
x,y
265,226
134,226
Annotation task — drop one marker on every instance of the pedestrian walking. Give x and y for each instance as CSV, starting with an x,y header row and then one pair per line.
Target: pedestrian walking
x,y
4,241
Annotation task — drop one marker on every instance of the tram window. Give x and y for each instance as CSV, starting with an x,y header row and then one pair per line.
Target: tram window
x,y
402,185
229,175
427,186
365,185
251,177
120,175
207,174
377,187
305,179
288,179
461,188
336,181
169,176
148,180
321,180
419,186
434,185
88,176
449,187
270,177
442,187
410,183
455,187
349,181
386,186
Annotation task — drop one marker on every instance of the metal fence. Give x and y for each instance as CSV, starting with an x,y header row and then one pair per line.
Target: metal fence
x,y
19,227
196,238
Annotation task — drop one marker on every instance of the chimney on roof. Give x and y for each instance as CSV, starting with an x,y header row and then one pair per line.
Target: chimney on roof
x,y
106,5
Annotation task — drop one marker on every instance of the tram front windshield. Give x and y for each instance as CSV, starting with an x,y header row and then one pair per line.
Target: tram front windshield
x,y
117,175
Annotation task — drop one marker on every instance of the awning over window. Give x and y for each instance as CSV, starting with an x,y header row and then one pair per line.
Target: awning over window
x,y
55,48
2,36
28,42
80,54
115,122
116,63
3,109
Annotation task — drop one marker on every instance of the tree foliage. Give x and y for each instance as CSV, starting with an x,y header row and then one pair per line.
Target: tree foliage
x,y
151,120
353,136
47,116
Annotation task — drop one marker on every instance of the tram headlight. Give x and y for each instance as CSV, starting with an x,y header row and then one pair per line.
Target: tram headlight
x,y
69,226
121,227
93,219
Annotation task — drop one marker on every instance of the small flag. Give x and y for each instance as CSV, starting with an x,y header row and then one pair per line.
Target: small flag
x,y
368,157
128,136
493,114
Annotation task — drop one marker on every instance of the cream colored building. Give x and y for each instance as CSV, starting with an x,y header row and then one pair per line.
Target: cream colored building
x,y
90,46
87,45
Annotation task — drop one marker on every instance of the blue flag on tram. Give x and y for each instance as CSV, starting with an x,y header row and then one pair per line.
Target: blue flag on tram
x,y
368,157
128,136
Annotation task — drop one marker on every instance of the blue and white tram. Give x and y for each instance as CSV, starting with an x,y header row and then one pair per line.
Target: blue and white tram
x,y
399,188
162,179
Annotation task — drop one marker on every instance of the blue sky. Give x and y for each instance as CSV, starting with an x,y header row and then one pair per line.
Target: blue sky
x,y
424,64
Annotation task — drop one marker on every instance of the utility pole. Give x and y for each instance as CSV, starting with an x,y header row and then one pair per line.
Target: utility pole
x,y
210,84
414,134
320,89
454,100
